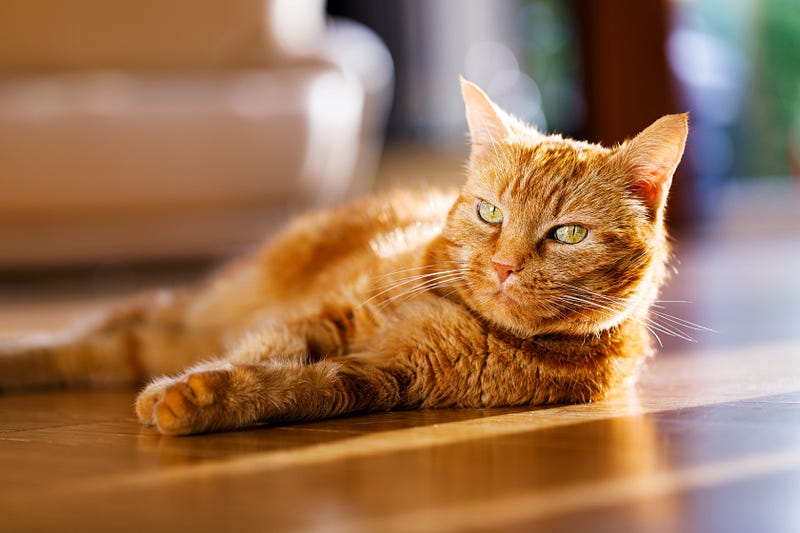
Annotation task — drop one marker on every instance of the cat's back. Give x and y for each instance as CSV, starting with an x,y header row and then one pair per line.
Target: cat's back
x,y
325,253
369,235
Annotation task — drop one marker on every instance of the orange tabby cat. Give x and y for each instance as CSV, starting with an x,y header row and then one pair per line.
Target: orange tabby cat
x,y
532,285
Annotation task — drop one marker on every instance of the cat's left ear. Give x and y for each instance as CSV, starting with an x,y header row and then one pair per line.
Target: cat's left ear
x,y
650,159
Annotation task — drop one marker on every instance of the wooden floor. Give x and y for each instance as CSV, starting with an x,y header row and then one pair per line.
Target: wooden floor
x,y
707,441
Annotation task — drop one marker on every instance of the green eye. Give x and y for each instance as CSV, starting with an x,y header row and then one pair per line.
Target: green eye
x,y
489,213
570,233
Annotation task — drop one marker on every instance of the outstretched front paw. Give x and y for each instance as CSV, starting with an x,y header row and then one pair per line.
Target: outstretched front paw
x,y
193,404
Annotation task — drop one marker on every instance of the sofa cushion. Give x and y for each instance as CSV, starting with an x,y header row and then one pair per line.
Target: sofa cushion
x,y
111,34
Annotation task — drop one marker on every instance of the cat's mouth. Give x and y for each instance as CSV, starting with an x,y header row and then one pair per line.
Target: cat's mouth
x,y
508,297
504,297
523,304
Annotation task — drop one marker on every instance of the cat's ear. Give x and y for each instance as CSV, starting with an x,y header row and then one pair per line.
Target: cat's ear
x,y
650,159
488,124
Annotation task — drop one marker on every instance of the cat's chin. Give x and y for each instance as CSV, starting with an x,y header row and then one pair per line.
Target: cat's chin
x,y
508,311
504,298
513,313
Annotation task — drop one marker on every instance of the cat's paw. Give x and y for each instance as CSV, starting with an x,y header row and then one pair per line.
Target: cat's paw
x,y
214,399
147,399
194,404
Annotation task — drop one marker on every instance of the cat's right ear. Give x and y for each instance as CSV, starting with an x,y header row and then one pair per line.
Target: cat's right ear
x,y
488,124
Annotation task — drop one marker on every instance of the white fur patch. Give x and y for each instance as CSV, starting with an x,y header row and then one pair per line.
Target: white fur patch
x,y
402,240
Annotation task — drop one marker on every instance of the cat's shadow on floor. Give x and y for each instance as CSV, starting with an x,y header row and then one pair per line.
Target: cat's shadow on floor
x,y
293,440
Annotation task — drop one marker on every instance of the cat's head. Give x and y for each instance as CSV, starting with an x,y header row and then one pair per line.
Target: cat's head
x,y
556,235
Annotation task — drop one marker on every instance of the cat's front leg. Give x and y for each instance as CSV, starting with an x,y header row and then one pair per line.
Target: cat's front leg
x,y
154,391
430,357
236,396
266,356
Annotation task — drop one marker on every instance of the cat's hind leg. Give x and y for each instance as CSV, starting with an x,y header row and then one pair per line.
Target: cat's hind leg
x,y
146,337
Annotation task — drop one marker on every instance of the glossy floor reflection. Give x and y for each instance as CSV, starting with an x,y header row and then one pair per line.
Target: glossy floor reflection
x,y
690,449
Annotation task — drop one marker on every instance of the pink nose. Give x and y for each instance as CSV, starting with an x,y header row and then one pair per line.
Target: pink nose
x,y
503,270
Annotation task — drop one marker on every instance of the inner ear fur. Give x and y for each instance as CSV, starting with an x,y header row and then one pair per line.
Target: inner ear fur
x,y
649,160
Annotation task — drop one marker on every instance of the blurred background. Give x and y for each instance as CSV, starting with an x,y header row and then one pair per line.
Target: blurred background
x,y
143,142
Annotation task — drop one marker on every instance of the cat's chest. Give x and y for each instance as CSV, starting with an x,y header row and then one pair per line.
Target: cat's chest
x,y
539,371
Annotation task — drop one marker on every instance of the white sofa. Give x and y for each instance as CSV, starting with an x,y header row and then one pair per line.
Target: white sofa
x,y
155,129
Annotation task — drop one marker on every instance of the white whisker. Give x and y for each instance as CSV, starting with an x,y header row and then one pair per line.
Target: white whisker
x,y
433,281
439,280
653,320
420,267
406,281
681,322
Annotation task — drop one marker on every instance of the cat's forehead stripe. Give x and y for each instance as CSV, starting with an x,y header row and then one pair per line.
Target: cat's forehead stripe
x,y
545,172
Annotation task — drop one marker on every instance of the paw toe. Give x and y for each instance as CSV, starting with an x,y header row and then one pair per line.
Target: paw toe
x,y
165,419
173,413
178,399
200,389
188,406
144,407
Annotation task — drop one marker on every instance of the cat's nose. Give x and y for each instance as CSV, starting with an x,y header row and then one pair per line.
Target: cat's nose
x,y
503,270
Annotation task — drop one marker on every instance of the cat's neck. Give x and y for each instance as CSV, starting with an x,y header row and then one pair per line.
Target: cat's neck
x,y
628,338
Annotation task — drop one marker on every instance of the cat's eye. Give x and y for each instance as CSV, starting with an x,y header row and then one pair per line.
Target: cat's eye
x,y
489,213
570,233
